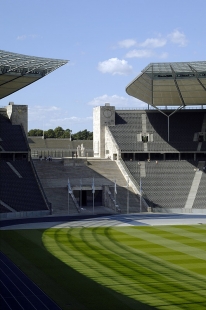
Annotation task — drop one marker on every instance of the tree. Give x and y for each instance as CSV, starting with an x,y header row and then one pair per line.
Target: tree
x,y
35,133
59,132
83,135
67,133
49,133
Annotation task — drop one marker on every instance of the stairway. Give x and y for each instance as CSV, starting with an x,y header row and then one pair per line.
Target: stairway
x,y
109,170
54,178
144,130
142,169
193,190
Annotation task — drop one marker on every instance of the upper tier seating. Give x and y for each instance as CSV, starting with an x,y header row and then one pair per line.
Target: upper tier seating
x,y
127,125
12,138
183,126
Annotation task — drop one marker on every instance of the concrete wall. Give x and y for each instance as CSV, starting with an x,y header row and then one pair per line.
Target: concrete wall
x,y
24,214
18,114
111,149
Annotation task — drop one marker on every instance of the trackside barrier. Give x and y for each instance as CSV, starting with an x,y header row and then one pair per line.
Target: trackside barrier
x,y
24,214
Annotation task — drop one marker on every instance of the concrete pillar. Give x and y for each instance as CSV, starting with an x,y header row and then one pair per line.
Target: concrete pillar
x,y
18,114
102,117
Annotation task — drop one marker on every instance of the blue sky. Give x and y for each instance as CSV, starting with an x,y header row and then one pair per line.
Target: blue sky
x,y
107,44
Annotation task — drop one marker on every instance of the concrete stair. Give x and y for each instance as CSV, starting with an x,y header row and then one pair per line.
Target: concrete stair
x,y
109,170
142,169
193,190
59,200
54,178
121,200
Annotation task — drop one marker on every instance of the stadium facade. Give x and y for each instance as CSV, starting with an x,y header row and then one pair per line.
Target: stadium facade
x,y
21,192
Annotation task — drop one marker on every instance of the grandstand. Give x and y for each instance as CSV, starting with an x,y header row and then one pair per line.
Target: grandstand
x,y
160,150
21,192
141,160
58,148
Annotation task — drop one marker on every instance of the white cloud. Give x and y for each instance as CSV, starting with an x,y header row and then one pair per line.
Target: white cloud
x,y
29,36
68,121
117,101
153,43
178,38
115,66
127,43
139,54
22,37
44,117
42,109
114,100
147,47
41,113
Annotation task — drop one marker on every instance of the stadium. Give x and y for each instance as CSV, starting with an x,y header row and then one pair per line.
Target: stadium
x,y
144,168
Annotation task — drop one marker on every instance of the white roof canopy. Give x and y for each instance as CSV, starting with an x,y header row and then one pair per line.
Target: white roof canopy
x,y
18,71
171,84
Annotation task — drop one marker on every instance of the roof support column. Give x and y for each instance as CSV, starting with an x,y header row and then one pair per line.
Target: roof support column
x,y
152,87
168,119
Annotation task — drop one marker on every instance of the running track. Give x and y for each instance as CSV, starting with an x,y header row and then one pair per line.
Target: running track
x,y
19,292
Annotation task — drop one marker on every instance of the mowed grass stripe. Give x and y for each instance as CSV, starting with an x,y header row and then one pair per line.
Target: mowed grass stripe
x,y
149,260
96,253
151,244
96,269
173,244
181,234
125,286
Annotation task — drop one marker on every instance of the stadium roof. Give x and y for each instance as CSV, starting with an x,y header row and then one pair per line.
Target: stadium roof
x,y
171,84
18,71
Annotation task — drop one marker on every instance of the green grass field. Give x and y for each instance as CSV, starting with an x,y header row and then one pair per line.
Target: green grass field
x,y
162,267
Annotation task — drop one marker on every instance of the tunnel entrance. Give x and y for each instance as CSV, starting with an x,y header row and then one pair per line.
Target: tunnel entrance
x,y
85,198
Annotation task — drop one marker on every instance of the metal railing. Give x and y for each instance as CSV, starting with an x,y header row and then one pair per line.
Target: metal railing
x,y
75,202
112,202
199,107
133,182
